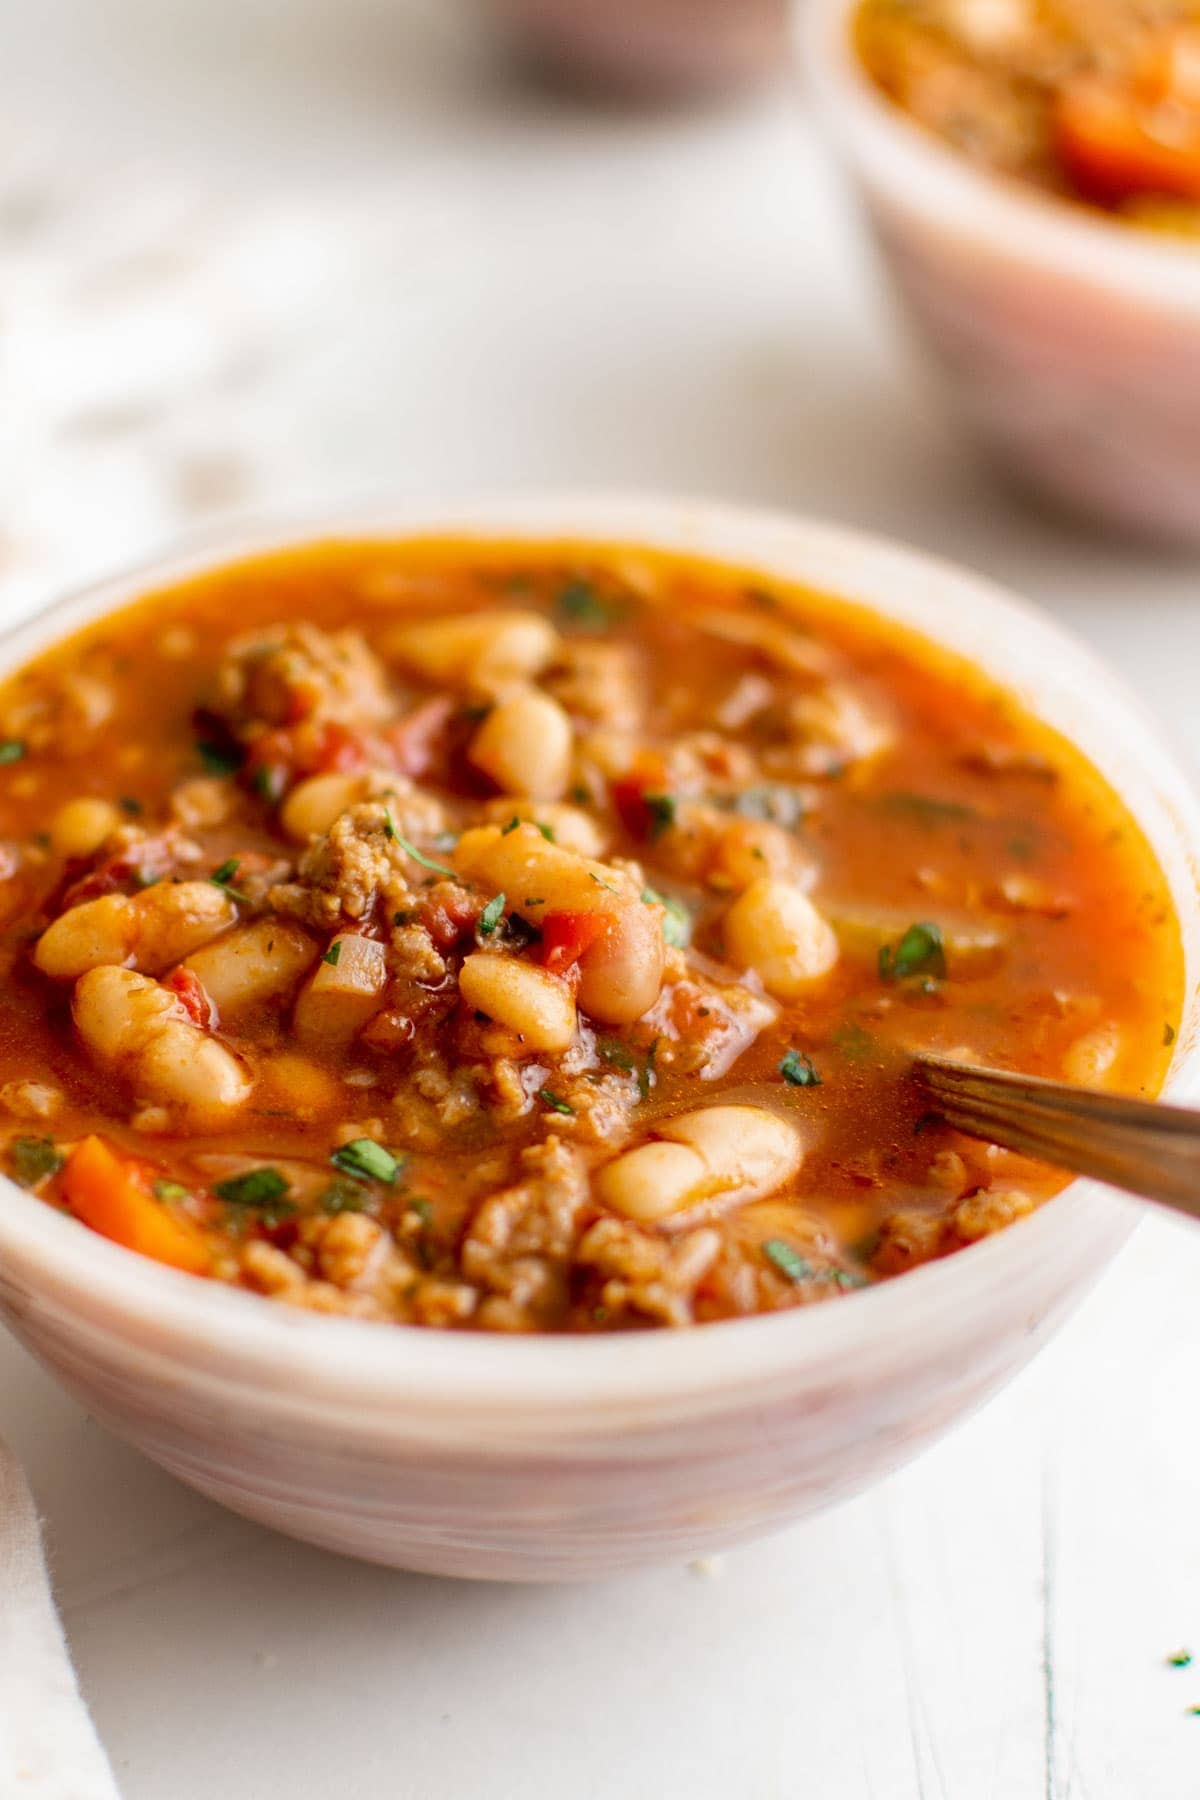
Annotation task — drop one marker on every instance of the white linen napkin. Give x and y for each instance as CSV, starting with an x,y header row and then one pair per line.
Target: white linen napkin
x,y
48,1745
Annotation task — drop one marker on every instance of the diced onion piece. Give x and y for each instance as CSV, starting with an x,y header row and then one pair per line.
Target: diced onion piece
x,y
341,995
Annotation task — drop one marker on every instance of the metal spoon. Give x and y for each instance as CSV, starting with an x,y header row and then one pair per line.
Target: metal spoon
x,y
1142,1146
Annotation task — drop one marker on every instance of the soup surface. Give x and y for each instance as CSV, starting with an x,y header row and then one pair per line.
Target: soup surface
x,y
530,937
1095,100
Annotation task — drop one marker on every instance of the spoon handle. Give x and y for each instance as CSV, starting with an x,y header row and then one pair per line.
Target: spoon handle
x,y
1142,1146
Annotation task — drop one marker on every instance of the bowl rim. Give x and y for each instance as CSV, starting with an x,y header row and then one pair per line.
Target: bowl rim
x,y
241,1339
955,198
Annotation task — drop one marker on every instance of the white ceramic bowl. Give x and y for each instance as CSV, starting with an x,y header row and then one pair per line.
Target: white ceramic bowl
x,y
1070,343
544,1458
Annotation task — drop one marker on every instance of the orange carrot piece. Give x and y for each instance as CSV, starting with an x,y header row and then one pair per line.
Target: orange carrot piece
x,y
1109,145
106,1192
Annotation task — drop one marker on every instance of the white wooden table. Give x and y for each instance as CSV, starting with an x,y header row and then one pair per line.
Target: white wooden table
x,y
272,253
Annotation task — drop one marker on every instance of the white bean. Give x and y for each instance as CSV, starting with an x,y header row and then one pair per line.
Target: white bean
x,y
621,970
79,827
726,1154
252,963
524,745
138,1029
1090,1060
476,649
776,930
149,931
537,1006
313,805
571,827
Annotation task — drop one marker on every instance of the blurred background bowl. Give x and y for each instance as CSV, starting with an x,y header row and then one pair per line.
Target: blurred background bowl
x,y
668,46
1070,343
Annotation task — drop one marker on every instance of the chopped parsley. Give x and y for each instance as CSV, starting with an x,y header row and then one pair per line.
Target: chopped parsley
x,y
491,916
170,1190
11,749
614,1052
606,885
927,809
662,809
367,1161
269,782
555,1103
547,831
797,1268
799,1070
854,1041
333,954
426,862
257,1188
789,1262
579,603
581,795
33,1159
218,759
677,926
512,825
343,1195
920,951
129,806
225,874
1179,1659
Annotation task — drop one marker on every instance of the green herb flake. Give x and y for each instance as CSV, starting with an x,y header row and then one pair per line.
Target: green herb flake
x,y
799,1070
677,925
512,825
533,900
367,1161
789,1262
333,955
171,1190
613,1052
225,874
256,1189
343,1195
855,1042
423,1209
927,809
555,1103
33,1160
547,831
426,862
649,1075
129,806
581,795
920,950
580,604
1179,1659
218,759
608,886
11,749
389,828
491,916
1168,1036
269,782
662,809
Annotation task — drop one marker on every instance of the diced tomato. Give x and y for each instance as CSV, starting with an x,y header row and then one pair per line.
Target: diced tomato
x,y
1120,140
341,751
189,990
629,798
566,936
449,914
112,1194
412,740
